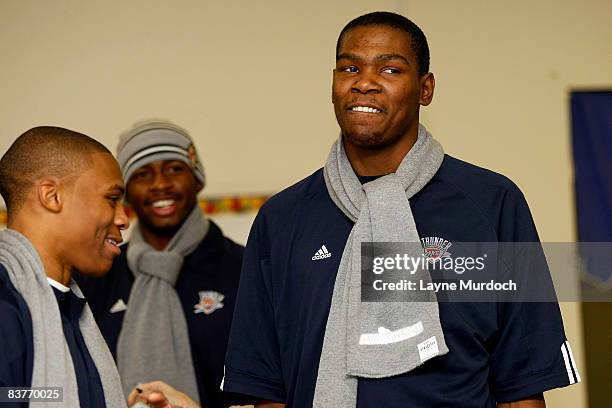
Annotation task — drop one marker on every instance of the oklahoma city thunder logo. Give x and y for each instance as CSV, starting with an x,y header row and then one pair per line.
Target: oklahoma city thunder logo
x,y
209,302
435,248
191,152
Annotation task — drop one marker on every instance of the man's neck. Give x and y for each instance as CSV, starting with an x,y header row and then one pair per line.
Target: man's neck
x,y
159,241
379,161
53,267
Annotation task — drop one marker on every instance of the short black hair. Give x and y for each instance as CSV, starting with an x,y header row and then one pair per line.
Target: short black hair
x,y
418,41
39,152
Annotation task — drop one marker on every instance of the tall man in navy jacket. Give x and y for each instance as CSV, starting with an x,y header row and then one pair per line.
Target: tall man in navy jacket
x,y
499,354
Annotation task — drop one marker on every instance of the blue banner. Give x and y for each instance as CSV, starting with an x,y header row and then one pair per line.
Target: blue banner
x,y
592,145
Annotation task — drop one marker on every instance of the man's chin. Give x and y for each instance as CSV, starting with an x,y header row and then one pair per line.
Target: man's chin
x,y
97,271
166,225
364,140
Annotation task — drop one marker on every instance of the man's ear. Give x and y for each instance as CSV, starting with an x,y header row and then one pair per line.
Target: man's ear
x,y
332,90
199,186
50,194
428,83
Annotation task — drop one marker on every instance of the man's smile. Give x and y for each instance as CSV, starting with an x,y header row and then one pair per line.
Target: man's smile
x,y
164,207
365,109
364,105
112,242
163,203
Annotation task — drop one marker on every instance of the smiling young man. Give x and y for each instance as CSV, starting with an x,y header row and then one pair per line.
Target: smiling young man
x,y
63,193
165,307
301,335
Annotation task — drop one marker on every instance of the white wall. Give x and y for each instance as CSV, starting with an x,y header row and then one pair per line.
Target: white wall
x,y
251,81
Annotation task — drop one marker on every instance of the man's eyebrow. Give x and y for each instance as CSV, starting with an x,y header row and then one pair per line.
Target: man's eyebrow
x,y
348,56
389,57
381,57
117,188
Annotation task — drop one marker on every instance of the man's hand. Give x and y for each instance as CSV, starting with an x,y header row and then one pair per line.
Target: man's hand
x,y
160,395
268,404
535,401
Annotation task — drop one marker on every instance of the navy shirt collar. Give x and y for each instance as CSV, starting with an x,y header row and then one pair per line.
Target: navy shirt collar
x,y
70,305
367,179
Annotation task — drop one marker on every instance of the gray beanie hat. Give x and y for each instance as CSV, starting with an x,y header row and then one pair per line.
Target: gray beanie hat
x,y
154,140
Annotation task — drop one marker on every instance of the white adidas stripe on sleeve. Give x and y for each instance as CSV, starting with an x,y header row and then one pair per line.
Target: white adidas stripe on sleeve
x,y
570,364
572,361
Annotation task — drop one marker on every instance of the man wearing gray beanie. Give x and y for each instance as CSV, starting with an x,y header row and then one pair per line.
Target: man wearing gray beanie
x,y
166,306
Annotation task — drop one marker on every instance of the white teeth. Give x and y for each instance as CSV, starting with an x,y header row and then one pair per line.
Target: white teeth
x,y
163,203
365,109
111,241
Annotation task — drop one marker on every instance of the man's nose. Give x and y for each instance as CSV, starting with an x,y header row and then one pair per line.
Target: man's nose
x,y
160,181
366,82
122,221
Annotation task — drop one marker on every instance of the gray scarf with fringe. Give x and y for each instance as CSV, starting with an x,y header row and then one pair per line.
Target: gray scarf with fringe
x,y
53,364
376,339
154,341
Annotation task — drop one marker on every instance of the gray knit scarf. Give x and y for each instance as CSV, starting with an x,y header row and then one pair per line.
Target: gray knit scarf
x,y
376,340
154,342
52,361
